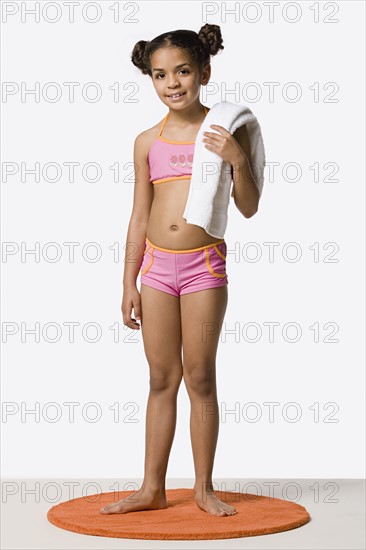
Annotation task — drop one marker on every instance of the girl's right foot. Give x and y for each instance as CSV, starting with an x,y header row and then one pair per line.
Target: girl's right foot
x,y
139,500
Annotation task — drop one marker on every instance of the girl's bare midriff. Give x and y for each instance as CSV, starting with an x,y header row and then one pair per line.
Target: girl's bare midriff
x,y
167,227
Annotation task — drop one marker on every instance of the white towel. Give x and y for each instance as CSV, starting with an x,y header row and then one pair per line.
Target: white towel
x,y
209,192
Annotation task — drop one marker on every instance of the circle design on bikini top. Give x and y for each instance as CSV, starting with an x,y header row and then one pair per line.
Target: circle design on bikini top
x,y
181,159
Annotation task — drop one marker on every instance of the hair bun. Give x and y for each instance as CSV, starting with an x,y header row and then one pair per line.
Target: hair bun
x,y
138,55
198,46
210,36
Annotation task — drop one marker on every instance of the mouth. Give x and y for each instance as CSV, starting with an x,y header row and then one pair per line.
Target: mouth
x,y
176,95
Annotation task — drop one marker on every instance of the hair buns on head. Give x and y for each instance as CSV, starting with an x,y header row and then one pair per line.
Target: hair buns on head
x,y
199,46
138,56
210,36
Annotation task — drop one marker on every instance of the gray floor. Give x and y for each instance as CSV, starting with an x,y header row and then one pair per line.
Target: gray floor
x,y
336,507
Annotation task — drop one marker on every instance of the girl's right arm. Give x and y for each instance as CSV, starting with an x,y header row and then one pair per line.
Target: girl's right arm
x,y
136,234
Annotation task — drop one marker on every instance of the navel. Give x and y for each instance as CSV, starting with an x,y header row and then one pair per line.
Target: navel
x,y
174,227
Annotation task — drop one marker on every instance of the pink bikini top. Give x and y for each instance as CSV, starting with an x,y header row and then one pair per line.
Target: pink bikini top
x,y
170,160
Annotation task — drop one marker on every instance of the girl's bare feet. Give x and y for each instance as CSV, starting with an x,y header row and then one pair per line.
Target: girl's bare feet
x,y
208,501
139,500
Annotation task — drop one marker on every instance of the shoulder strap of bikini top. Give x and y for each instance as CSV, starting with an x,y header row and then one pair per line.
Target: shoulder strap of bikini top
x,y
166,118
163,124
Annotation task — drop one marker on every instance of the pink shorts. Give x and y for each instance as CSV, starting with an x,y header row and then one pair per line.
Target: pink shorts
x,y
180,272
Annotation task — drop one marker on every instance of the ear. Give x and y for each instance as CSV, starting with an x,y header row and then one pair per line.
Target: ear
x,y
206,74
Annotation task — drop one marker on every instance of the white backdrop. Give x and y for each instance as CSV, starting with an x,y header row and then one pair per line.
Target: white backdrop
x,y
290,365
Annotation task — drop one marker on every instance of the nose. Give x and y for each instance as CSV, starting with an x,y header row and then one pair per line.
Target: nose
x,y
174,83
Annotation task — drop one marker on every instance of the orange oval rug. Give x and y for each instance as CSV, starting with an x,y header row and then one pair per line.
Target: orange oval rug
x,y
182,519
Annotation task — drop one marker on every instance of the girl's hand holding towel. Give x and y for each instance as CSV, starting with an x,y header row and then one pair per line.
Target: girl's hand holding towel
x,y
224,144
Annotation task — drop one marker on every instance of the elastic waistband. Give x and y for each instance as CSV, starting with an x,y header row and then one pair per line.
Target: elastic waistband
x,y
183,251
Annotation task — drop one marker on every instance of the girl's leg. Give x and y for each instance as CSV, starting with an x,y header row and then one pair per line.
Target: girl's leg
x,y
202,314
161,332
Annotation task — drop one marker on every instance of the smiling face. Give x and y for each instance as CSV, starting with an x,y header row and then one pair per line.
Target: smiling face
x,y
174,72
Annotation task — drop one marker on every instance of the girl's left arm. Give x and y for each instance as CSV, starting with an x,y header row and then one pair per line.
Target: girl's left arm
x,y
235,149
245,191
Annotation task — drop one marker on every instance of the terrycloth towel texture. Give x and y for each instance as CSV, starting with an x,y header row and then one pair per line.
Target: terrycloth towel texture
x,y
209,193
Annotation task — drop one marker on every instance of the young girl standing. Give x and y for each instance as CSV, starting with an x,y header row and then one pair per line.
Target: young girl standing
x,y
183,295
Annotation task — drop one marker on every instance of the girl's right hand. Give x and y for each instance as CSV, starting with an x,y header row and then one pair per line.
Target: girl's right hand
x,y
131,299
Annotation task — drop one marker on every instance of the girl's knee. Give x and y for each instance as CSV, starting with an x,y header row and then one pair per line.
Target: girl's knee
x,y
200,378
165,380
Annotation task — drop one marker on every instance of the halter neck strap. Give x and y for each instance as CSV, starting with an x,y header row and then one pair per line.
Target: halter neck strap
x,y
166,118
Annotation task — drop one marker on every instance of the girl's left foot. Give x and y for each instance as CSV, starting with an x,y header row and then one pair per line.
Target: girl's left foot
x,y
208,501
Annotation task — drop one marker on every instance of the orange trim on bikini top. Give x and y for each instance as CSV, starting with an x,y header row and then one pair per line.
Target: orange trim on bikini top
x,y
161,163
168,140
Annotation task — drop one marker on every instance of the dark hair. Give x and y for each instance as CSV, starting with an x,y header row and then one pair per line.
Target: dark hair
x,y
200,46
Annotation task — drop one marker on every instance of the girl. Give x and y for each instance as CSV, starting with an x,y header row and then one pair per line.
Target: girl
x,y
183,294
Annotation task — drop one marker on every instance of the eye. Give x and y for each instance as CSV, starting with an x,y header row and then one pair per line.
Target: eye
x,y
159,74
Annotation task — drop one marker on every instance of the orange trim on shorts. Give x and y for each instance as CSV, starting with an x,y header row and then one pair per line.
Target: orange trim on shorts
x,y
151,260
222,256
189,249
210,268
